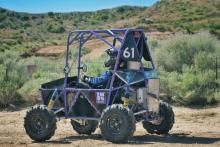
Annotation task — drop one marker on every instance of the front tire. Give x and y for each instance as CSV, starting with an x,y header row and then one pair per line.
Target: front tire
x,y
117,123
40,123
166,124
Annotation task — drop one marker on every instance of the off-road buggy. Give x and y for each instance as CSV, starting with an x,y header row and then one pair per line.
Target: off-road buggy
x,y
133,78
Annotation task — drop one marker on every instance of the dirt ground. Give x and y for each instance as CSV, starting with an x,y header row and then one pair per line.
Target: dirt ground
x,y
97,49
193,127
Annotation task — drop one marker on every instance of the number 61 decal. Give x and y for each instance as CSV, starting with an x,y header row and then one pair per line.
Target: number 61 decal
x,y
128,54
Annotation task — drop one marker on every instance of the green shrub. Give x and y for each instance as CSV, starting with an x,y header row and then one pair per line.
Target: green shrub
x,y
146,21
204,61
183,49
8,94
153,43
55,27
121,9
104,17
3,16
30,90
12,77
93,22
16,35
187,68
2,26
25,18
215,32
2,10
189,88
50,14
161,28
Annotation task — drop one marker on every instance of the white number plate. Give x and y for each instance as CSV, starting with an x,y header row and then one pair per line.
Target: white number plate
x,y
100,97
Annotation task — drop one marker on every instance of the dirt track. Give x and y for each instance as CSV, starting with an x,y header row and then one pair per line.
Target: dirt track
x,y
193,127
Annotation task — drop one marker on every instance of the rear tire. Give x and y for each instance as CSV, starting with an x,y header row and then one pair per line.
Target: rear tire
x,y
165,126
40,123
117,123
89,127
84,109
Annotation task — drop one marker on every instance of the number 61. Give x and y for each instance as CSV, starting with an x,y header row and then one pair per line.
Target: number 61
x,y
127,54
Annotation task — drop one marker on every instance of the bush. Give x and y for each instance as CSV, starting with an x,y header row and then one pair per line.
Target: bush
x,y
30,90
8,94
12,77
50,14
187,68
189,88
184,49
55,27
146,21
153,43
215,32
2,16
25,18
161,28
16,36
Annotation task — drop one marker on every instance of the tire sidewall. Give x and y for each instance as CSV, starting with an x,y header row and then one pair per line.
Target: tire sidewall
x,y
128,121
47,116
167,123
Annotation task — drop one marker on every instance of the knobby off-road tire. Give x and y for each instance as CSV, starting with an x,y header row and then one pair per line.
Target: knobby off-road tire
x,y
40,123
166,112
89,127
117,123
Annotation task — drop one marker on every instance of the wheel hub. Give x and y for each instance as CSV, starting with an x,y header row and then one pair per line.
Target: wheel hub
x,y
38,124
114,123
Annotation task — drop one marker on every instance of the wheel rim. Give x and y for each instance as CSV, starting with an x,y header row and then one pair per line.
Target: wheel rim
x,y
114,124
38,124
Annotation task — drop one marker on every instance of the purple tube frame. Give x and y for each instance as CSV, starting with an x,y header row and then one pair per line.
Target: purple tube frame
x,y
79,36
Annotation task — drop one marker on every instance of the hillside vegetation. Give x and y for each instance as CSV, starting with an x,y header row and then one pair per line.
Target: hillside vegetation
x,y
23,31
183,15
28,32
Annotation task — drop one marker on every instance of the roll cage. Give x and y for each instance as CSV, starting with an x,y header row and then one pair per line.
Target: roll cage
x,y
81,37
